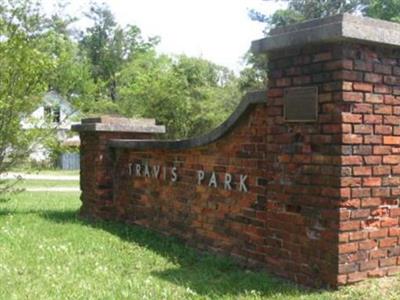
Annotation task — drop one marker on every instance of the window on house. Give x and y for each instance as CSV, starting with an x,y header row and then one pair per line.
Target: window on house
x,y
47,112
56,115
52,114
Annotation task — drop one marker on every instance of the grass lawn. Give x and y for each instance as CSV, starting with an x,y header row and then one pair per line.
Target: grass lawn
x,y
40,183
57,172
46,252
43,183
46,172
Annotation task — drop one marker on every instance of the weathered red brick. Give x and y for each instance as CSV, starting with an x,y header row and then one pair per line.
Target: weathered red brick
x,y
395,212
378,234
369,265
373,78
391,140
385,262
391,100
360,192
352,160
362,171
391,159
374,98
363,87
358,236
352,139
383,69
392,120
379,150
394,231
338,65
383,129
378,253
372,139
349,225
356,277
383,109
348,247
392,80
381,170
353,96
390,222
373,119
363,129
382,89
370,202
388,242
359,214
372,159
372,181
350,181
360,108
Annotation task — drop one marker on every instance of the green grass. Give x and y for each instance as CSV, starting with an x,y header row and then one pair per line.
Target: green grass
x,y
57,172
42,183
46,252
46,172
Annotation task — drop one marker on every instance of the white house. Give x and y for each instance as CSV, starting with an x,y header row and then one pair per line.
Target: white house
x,y
54,112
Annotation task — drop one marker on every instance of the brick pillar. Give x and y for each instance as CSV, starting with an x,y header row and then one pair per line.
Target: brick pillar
x,y
304,160
334,184
97,159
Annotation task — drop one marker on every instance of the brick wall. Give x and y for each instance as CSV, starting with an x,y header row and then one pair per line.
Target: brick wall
x,y
345,165
289,219
96,159
322,202
225,221
96,172
304,162
369,208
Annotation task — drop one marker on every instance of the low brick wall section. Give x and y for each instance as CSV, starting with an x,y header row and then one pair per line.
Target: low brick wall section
x,y
213,197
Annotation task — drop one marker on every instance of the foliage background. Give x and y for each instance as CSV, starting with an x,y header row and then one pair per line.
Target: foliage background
x,y
107,68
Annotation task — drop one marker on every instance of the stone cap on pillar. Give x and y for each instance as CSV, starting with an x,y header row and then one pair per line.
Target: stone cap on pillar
x,y
344,27
118,124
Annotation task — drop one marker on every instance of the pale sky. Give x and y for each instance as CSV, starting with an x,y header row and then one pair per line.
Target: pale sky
x,y
217,30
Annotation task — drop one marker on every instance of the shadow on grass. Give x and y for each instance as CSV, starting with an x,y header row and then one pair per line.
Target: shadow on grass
x,y
205,274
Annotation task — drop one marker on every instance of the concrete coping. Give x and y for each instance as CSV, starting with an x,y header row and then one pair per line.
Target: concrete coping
x,y
344,27
118,124
110,119
249,101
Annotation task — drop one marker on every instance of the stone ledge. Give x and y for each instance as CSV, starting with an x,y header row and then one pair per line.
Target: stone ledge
x,y
118,124
343,27
118,120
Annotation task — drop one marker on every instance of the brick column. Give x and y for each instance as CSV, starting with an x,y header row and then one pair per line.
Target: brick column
x,y
334,187
96,159
304,163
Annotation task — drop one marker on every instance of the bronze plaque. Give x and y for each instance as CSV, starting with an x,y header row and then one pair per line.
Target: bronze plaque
x,y
301,104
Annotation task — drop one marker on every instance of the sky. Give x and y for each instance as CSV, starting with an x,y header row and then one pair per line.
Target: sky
x,y
217,30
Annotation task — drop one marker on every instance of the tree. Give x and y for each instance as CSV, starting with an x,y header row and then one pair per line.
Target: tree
x,y
149,89
70,76
384,9
22,77
301,10
188,95
211,91
253,76
109,46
